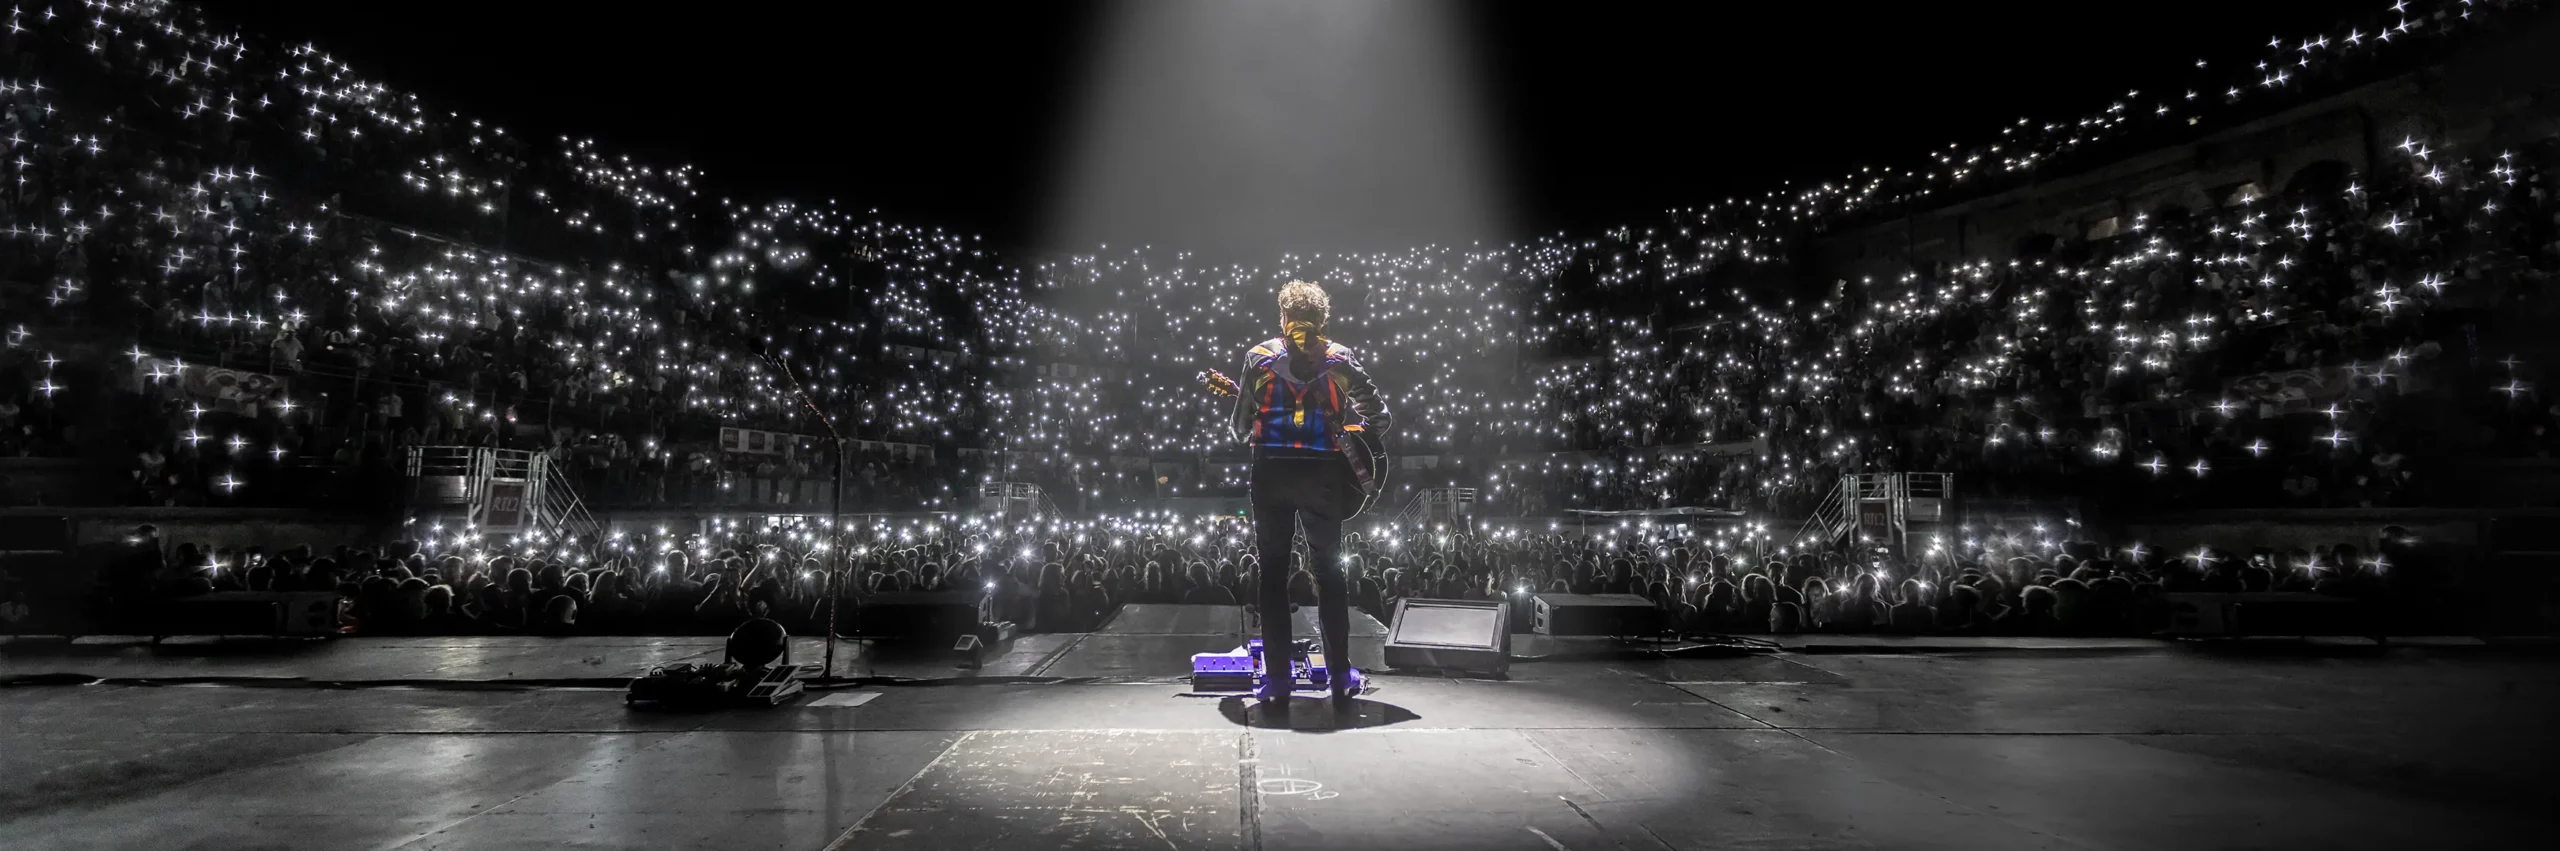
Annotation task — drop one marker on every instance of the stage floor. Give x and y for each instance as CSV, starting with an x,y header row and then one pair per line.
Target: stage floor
x,y
1087,742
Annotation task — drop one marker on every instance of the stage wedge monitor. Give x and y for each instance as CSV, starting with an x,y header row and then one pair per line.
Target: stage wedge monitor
x,y
1472,636
1595,614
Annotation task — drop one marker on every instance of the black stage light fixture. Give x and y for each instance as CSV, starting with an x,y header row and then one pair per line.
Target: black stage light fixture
x,y
1472,636
759,642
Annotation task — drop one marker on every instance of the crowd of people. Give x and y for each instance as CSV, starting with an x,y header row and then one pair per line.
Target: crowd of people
x,y
1070,576
242,273
249,275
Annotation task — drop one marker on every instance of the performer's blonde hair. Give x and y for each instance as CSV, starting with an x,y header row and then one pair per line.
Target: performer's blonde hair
x,y
1304,302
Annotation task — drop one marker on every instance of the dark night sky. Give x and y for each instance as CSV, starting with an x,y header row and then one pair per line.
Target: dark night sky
x,y
952,113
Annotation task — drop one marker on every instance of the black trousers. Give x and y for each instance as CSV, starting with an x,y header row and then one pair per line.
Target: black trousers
x,y
1318,494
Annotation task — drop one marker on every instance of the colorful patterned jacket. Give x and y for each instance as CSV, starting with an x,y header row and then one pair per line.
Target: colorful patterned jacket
x,y
1291,405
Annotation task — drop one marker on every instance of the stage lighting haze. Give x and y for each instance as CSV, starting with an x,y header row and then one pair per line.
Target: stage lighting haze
x,y
1240,131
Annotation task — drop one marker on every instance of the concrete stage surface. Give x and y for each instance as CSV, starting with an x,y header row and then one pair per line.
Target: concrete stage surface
x,y
1087,741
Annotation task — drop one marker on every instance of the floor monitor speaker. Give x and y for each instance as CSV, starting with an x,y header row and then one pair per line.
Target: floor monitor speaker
x,y
1452,635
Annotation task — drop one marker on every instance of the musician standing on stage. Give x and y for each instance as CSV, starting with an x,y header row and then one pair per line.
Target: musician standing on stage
x,y
1298,394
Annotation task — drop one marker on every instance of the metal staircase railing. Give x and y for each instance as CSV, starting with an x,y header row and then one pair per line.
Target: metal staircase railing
x,y
562,512
1412,515
504,491
1824,527
1417,511
1003,496
440,460
439,475
1450,502
1840,513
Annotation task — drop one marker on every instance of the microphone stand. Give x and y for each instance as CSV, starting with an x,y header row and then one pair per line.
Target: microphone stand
x,y
835,511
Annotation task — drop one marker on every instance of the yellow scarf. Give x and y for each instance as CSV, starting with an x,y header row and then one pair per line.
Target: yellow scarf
x,y
1306,337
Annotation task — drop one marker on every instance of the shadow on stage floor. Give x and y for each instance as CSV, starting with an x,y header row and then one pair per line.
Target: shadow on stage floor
x,y
1313,714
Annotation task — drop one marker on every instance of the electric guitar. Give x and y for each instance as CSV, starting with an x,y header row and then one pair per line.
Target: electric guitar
x,y
1367,454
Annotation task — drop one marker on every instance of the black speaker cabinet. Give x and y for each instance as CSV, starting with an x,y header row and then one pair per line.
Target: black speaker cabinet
x,y
937,617
1473,636
1596,614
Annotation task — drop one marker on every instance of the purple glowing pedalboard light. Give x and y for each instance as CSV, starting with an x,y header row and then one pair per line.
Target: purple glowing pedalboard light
x,y
1241,670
